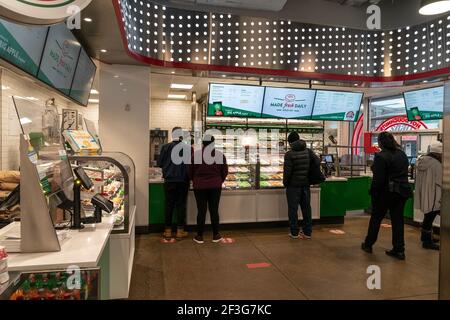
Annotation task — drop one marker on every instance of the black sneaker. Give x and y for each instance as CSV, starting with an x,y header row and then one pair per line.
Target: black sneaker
x,y
396,254
217,238
199,239
366,248
430,246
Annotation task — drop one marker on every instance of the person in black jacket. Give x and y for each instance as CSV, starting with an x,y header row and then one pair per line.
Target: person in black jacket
x,y
176,182
297,164
389,191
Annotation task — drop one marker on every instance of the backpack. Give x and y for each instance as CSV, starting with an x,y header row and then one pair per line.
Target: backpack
x,y
315,175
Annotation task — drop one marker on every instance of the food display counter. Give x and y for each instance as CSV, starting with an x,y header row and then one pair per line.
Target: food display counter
x,y
87,250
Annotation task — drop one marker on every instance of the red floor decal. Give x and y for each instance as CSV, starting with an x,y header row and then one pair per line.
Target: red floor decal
x,y
258,265
165,241
338,232
227,240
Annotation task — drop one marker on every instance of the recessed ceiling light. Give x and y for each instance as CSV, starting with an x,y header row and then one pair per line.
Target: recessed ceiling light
x,y
432,7
5,87
116,76
177,96
173,72
94,91
103,50
181,86
88,19
224,76
94,100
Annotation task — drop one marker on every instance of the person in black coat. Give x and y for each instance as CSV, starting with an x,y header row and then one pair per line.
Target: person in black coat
x,y
297,164
389,191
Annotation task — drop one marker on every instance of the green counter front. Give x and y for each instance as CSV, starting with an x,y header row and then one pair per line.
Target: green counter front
x,y
336,198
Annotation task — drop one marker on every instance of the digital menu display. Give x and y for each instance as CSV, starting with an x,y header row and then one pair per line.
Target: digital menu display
x,y
288,103
60,58
84,77
228,100
425,104
337,105
22,45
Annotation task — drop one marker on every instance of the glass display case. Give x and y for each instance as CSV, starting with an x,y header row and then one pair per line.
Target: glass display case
x,y
113,175
53,285
255,149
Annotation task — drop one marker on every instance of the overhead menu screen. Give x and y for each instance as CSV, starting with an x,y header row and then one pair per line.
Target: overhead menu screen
x,y
426,104
288,103
337,105
21,45
60,58
227,100
84,77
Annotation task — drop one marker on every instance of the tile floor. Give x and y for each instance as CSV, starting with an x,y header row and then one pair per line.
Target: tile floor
x,y
328,267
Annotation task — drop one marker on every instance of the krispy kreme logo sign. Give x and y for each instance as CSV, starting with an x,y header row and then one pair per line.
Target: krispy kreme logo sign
x,y
400,123
40,11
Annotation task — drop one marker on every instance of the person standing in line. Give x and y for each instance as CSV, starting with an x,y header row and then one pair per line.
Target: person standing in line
x,y
208,170
389,190
428,192
297,164
176,182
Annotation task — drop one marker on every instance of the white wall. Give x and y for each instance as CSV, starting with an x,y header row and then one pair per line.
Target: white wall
x,y
126,129
167,114
13,84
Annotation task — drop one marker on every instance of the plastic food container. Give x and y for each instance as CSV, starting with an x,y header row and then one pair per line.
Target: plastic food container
x,y
4,277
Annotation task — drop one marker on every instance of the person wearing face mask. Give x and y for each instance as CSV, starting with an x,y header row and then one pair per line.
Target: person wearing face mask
x,y
428,192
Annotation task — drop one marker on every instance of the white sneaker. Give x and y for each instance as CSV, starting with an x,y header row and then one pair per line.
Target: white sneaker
x,y
293,237
304,236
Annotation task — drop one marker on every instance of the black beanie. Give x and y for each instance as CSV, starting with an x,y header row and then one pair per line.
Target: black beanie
x,y
293,136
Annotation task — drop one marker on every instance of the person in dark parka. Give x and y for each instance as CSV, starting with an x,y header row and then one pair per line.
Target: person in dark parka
x,y
389,190
297,163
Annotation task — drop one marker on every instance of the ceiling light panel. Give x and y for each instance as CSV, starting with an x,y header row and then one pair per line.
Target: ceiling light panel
x,y
183,37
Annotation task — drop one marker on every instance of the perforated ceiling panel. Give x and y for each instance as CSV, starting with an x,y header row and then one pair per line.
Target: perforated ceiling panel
x,y
174,37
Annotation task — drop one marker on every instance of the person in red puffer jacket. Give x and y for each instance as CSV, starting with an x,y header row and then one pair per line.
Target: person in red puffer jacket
x,y
208,170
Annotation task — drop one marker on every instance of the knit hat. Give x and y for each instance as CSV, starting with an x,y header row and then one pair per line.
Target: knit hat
x,y
436,147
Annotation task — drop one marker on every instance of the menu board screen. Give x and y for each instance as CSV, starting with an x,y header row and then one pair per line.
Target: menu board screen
x,y
288,103
84,77
228,100
60,58
337,105
425,104
22,45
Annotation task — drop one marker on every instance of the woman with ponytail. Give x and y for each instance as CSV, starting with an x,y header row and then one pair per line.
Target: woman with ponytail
x,y
389,190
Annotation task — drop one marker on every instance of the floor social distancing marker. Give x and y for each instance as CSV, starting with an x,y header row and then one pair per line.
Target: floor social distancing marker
x,y
168,241
336,231
258,265
227,241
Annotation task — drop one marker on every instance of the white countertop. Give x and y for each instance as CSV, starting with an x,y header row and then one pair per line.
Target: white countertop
x,y
336,179
83,248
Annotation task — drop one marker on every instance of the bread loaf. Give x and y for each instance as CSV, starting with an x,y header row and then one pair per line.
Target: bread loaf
x,y
10,176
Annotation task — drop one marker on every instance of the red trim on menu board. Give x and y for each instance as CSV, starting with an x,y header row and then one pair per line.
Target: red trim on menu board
x,y
268,72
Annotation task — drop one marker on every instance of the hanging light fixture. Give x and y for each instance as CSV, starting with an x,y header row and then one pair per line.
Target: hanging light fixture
x,y
432,7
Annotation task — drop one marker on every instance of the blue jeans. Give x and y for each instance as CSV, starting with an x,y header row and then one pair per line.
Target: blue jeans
x,y
295,197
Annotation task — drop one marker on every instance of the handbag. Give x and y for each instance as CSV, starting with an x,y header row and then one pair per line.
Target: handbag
x,y
315,175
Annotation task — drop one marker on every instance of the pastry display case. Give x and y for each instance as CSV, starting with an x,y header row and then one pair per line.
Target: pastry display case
x,y
113,176
255,149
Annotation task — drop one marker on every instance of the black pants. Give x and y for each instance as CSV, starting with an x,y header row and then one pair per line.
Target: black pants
x,y
208,199
427,225
176,198
395,204
295,197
